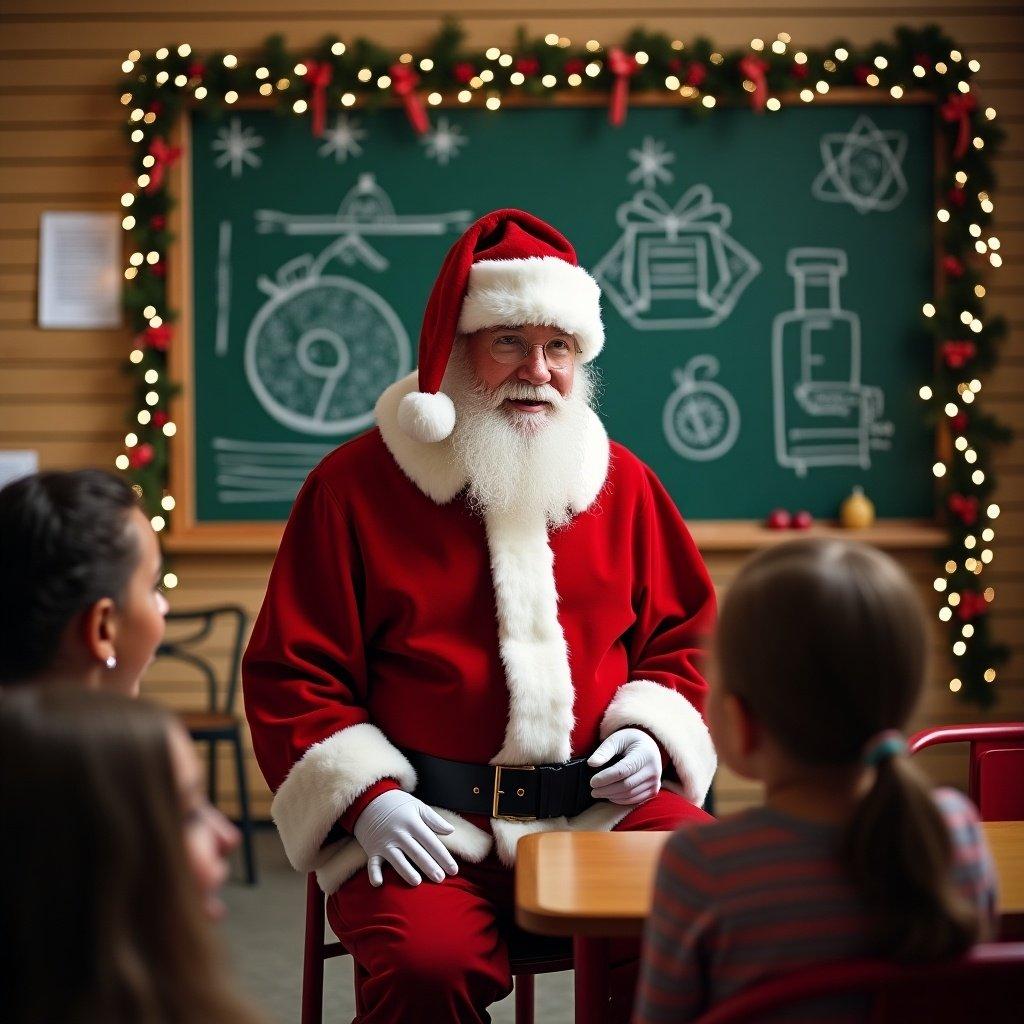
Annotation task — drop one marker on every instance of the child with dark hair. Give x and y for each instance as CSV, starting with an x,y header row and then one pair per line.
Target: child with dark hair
x,y
821,653
80,573
110,866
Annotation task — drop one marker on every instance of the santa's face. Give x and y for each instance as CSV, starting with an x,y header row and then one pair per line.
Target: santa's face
x,y
521,363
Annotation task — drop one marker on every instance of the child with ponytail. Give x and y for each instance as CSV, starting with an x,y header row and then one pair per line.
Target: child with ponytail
x,y
820,656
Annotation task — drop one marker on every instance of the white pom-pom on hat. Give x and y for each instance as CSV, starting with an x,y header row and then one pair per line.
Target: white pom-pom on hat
x,y
427,416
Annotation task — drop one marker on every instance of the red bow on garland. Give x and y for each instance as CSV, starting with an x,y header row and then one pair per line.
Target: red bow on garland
x,y
623,66
754,68
956,354
958,108
964,507
404,81
972,604
163,156
318,76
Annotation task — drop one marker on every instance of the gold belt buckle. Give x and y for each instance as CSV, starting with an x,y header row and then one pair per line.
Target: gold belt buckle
x,y
499,792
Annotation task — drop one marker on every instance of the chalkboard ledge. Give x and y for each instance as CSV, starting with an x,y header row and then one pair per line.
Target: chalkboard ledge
x,y
749,535
709,534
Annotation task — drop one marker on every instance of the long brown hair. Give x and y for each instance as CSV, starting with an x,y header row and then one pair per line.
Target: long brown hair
x,y
100,915
826,643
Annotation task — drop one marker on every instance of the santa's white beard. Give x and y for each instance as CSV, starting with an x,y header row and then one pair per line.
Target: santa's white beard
x,y
519,464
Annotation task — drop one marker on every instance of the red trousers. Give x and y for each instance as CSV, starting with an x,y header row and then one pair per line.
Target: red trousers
x,y
435,952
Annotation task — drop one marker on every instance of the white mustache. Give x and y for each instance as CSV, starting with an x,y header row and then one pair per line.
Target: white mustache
x,y
518,391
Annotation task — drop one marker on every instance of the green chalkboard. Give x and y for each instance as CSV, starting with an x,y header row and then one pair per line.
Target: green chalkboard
x,y
763,279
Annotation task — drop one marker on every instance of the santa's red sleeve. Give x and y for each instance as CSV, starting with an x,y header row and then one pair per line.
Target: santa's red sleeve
x,y
674,604
304,680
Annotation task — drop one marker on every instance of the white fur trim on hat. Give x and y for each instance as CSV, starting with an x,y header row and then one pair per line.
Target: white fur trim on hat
x,y
428,417
535,290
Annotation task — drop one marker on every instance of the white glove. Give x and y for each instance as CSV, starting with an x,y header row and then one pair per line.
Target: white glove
x,y
397,828
636,776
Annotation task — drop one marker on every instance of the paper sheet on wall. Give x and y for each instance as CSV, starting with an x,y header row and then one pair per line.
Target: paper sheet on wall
x,y
16,463
79,270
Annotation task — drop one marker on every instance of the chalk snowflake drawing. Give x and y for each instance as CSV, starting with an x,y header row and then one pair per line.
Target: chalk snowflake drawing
x,y
862,167
701,419
824,415
343,139
675,267
237,147
442,143
652,160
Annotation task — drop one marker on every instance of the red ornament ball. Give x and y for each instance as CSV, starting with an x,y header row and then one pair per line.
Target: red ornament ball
x,y
778,519
155,107
675,65
802,520
160,418
952,266
799,70
956,196
159,269
960,422
196,69
141,455
575,66
158,222
860,74
464,72
527,65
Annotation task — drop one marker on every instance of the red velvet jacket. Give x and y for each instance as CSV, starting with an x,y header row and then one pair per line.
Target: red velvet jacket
x,y
396,617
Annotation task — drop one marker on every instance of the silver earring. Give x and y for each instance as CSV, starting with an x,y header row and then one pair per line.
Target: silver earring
x,y
111,662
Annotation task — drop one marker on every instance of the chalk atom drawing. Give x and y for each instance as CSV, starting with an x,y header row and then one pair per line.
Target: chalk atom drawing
x,y
652,160
343,139
701,419
675,267
237,147
823,414
862,167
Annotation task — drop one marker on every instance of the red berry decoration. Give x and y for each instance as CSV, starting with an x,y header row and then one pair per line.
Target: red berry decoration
x,y
155,107
464,72
956,196
527,65
960,422
778,519
695,74
802,520
972,604
799,71
952,266
675,65
860,74
575,66
964,507
924,59
160,418
157,222
956,354
158,269
196,69
141,455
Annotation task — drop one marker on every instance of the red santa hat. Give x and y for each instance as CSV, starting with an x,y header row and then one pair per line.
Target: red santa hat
x,y
507,270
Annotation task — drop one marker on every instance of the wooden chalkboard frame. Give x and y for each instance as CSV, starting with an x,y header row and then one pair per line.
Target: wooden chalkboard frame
x,y
187,534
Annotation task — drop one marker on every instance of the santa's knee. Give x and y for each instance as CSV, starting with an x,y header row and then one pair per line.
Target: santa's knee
x,y
439,968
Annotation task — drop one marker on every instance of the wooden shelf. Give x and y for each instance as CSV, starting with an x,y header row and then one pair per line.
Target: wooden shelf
x,y
750,535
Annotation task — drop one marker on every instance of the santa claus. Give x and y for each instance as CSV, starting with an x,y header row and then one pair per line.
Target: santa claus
x,y
484,620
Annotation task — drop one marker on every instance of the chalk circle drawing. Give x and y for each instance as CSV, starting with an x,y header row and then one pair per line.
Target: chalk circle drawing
x,y
323,347
823,414
862,167
701,419
675,267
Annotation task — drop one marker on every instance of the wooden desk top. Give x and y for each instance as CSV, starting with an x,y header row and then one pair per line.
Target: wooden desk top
x,y
600,883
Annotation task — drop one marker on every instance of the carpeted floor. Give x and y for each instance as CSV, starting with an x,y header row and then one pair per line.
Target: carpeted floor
x,y
263,934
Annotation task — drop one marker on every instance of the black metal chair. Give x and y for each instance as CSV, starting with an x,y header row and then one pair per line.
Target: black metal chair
x,y
218,722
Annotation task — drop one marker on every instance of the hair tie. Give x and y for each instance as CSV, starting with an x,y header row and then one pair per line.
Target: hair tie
x,y
882,747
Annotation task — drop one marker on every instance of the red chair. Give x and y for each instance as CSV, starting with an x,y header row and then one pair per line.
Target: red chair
x,y
987,985
530,955
996,768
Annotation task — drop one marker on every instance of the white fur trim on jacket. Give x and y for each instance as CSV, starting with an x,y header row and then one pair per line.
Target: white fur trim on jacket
x,y
675,723
326,780
535,290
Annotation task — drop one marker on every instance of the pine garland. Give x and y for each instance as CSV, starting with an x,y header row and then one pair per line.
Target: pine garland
x,y
338,75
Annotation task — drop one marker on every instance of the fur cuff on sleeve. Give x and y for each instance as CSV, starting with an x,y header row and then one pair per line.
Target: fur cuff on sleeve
x,y
329,776
675,723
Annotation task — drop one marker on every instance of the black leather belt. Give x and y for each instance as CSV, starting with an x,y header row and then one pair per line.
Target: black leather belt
x,y
511,792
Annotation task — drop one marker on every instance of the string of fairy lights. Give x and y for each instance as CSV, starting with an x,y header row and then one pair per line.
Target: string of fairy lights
x,y
765,74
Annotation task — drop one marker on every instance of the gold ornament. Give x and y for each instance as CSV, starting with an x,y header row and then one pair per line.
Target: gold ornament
x,y
857,512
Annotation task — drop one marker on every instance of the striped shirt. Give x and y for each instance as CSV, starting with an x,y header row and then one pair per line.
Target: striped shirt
x,y
763,893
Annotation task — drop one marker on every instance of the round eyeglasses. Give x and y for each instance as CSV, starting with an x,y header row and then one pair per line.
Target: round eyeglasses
x,y
512,350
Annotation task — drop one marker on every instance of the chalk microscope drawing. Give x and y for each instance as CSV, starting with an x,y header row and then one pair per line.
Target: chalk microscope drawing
x,y
675,267
322,347
862,167
701,419
824,415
